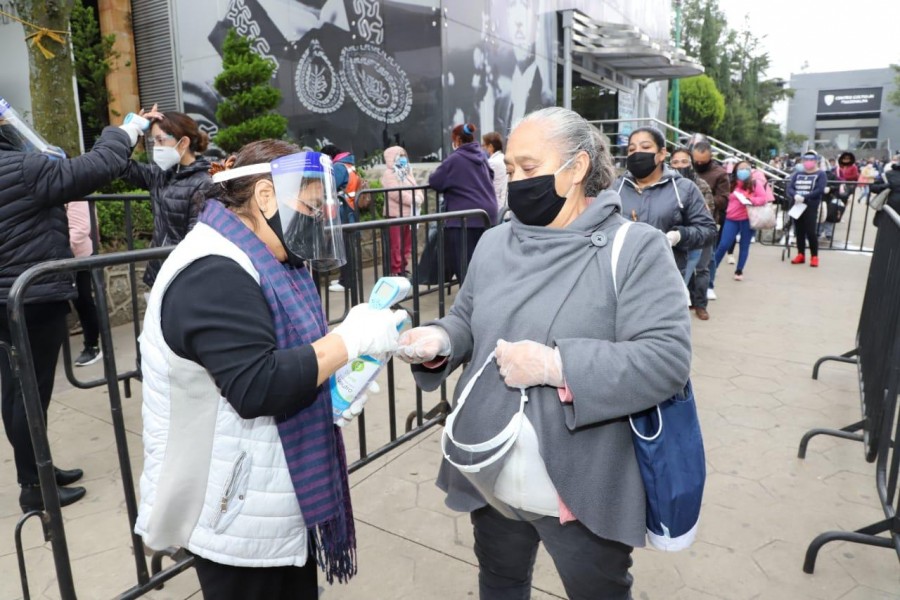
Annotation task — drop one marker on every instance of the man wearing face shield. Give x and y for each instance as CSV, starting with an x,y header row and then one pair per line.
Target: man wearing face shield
x,y
36,181
237,358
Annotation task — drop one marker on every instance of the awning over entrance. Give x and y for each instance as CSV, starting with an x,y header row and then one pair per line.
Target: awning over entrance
x,y
604,48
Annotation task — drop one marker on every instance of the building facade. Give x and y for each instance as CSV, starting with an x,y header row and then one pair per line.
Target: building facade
x,y
846,110
366,74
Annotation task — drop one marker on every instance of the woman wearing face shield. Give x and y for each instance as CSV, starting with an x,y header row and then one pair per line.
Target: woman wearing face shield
x,y
177,171
243,466
584,350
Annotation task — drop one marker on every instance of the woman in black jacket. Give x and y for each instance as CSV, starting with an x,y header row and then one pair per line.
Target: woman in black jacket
x,y
177,173
34,187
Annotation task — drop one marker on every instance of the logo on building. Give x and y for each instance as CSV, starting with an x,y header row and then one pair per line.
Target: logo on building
x,y
829,98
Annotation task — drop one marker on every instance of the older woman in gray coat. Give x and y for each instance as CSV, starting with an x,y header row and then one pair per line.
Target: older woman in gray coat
x,y
586,350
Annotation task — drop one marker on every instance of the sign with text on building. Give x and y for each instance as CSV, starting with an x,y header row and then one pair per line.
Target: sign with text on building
x,y
858,100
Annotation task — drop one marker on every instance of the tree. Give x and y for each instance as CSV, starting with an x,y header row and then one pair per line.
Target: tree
x,y
894,94
247,112
737,66
793,141
51,71
93,60
702,105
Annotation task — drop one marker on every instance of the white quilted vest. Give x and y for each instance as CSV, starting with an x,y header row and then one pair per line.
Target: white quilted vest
x,y
213,482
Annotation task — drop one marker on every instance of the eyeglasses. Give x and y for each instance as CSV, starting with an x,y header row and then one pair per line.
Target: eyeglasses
x,y
159,139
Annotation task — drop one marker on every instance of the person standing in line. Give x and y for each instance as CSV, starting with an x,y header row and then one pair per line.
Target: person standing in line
x,y
654,194
36,180
178,172
716,177
493,145
696,275
464,178
807,187
82,244
398,174
343,165
737,221
585,355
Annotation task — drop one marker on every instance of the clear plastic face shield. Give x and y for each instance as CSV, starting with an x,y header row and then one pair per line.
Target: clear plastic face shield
x,y
15,132
507,469
308,208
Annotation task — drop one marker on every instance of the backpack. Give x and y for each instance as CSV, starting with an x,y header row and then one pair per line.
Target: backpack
x,y
834,211
356,184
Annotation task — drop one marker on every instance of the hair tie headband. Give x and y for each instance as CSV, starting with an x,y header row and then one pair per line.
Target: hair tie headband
x,y
467,130
224,165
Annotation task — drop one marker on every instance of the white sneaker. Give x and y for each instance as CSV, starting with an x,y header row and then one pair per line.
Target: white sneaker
x,y
731,260
335,287
711,294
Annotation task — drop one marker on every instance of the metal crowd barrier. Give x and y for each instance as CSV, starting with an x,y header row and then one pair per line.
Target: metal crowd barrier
x,y
849,235
877,357
128,224
51,520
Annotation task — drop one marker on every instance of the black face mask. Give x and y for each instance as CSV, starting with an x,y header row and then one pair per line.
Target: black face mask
x,y
294,230
702,167
686,172
534,200
641,164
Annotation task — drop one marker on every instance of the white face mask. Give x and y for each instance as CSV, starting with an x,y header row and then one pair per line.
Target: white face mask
x,y
166,157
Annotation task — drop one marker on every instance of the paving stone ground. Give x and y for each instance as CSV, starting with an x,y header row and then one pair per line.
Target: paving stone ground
x,y
751,370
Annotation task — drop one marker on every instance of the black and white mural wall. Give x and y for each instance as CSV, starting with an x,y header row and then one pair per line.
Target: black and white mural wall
x,y
499,61
366,74
362,74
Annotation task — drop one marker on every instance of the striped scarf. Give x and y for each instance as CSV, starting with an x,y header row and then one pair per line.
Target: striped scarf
x,y
313,446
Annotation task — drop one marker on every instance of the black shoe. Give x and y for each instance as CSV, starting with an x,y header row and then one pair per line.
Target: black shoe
x,y
67,476
88,356
30,498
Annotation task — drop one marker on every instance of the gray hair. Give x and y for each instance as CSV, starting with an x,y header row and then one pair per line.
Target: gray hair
x,y
571,134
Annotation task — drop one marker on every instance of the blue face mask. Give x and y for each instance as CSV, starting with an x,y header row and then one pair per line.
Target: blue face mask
x,y
401,162
743,174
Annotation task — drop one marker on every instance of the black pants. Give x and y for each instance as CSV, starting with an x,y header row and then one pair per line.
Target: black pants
x,y
457,259
805,229
591,568
86,309
224,582
46,325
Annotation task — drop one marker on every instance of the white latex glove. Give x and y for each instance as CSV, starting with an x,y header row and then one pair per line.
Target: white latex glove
x,y
366,330
134,125
827,189
422,344
527,363
352,411
798,199
674,237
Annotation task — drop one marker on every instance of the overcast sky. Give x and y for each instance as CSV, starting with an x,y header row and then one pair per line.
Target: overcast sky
x,y
830,35
827,35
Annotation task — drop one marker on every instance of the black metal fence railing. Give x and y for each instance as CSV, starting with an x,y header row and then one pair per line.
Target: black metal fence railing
x,y
850,233
877,357
417,420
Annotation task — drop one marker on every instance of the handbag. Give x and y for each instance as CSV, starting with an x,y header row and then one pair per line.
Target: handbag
x,y
761,217
668,446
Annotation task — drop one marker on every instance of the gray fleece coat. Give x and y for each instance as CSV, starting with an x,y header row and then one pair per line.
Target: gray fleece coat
x,y
554,286
674,203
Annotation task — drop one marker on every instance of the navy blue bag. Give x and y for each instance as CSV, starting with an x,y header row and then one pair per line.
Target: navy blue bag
x,y
669,450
